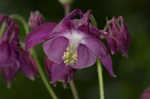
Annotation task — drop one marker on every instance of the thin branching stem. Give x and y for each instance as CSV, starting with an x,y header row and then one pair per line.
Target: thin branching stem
x,y
41,73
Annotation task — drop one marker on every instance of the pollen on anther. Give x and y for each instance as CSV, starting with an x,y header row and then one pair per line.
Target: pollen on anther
x,y
70,57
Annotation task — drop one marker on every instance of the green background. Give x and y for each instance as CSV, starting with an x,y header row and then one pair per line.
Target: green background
x,y
133,72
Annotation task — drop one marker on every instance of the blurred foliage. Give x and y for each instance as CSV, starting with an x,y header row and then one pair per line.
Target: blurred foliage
x,y
132,71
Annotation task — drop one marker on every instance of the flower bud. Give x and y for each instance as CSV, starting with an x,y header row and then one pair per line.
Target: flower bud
x,y
65,1
35,19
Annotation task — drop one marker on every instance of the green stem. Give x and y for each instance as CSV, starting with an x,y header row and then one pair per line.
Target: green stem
x,y
41,73
92,18
99,67
2,28
74,90
100,78
24,23
47,85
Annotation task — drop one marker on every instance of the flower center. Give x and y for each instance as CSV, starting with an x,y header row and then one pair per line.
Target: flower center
x,y
70,56
75,38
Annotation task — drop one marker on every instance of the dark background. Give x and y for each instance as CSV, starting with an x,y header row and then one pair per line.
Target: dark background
x,y
133,72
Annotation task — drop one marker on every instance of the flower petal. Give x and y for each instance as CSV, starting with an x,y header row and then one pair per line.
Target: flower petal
x,y
85,57
83,21
39,34
9,71
126,37
27,64
10,65
91,30
66,24
99,50
4,52
112,44
146,94
55,48
85,18
59,72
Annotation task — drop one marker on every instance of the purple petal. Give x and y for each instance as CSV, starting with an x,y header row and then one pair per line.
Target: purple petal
x,y
112,44
85,57
11,66
94,31
126,36
83,24
73,14
66,24
100,51
39,34
9,71
85,18
11,31
14,36
27,64
7,53
146,94
4,52
55,48
8,60
83,21
91,30
59,72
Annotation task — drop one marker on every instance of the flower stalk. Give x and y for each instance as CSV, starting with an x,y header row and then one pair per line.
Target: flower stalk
x,y
74,90
99,67
41,73
2,29
100,78
67,8
24,23
43,77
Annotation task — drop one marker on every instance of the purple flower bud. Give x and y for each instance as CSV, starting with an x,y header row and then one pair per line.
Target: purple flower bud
x,y
146,94
12,56
72,43
117,36
35,19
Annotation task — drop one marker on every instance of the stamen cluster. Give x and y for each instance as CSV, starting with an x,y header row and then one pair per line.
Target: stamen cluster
x,y
70,56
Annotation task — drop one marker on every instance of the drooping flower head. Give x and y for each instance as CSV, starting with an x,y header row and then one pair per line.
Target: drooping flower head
x,y
71,43
35,19
146,94
117,35
12,56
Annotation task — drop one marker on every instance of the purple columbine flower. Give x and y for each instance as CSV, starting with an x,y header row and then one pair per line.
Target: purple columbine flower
x,y
12,56
146,94
35,19
117,36
71,43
